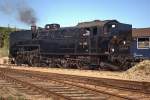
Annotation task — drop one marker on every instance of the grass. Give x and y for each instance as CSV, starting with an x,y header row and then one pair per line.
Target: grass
x,y
5,31
4,52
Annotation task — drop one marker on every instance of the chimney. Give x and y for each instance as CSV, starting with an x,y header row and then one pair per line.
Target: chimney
x,y
34,31
33,28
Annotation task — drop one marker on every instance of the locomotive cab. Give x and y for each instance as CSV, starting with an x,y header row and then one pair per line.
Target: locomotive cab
x,y
110,28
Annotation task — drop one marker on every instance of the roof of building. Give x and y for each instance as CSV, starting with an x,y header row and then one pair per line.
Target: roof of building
x,y
140,32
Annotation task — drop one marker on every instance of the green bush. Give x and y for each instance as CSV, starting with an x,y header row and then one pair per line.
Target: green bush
x,y
5,31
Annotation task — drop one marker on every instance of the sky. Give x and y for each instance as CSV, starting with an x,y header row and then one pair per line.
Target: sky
x,y
71,12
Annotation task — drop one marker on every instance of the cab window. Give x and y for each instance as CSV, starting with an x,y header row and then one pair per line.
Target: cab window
x,y
95,31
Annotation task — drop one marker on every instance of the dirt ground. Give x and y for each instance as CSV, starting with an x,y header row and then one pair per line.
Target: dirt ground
x,y
139,72
3,60
9,91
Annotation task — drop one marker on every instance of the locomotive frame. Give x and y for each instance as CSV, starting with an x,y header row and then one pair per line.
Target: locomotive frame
x,y
103,45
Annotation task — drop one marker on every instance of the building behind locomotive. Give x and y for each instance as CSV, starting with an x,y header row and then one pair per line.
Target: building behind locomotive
x,y
141,43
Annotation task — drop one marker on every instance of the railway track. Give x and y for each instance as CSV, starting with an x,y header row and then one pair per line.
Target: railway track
x,y
90,88
56,89
29,88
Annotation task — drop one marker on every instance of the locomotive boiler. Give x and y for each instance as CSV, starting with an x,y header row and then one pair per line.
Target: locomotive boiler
x,y
97,44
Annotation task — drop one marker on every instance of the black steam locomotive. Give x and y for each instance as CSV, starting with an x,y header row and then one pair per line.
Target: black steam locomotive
x,y
88,45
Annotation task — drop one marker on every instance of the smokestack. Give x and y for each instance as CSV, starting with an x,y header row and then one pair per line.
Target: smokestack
x,y
33,28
